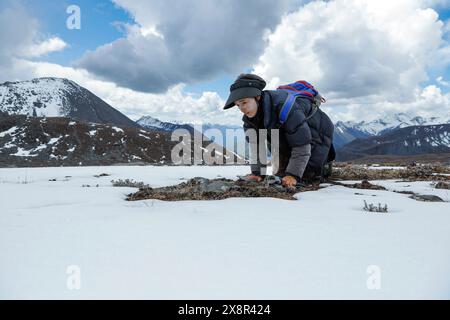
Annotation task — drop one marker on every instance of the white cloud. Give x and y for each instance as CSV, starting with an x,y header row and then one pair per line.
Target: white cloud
x,y
427,102
170,106
354,48
436,3
17,32
20,38
45,47
440,80
357,53
184,41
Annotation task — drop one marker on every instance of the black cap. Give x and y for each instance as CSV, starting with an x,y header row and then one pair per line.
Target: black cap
x,y
245,86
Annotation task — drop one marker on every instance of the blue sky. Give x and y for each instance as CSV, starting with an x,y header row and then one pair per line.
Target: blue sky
x,y
205,45
97,27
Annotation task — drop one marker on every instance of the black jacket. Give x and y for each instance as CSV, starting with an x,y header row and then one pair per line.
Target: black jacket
x,y
297,130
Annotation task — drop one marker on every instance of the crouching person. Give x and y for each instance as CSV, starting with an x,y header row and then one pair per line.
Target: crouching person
x,y
305,149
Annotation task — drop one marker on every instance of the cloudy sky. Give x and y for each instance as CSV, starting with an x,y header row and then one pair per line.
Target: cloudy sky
x,y
175,59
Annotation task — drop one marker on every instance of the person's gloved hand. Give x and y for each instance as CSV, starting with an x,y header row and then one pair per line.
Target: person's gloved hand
x,y
289,181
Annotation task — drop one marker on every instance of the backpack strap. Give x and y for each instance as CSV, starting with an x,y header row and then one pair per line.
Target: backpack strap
x,y
286,108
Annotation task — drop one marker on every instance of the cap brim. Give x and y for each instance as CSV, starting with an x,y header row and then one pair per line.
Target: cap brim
x,y
241,93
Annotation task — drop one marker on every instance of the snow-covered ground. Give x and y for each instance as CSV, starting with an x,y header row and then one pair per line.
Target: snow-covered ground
x,y
54,233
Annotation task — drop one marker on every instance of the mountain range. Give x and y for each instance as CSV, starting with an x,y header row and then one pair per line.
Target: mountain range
x,y
63,98
412,140
348,131
53,121
152,123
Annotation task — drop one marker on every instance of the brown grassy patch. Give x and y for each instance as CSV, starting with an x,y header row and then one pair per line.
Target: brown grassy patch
x,y
217,189
411,173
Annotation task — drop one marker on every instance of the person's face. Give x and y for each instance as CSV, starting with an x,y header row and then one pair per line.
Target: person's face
x,y
248,106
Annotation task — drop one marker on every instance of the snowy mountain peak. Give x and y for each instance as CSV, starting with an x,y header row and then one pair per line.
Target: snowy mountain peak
x,y
57,97
388,123
148,121
38,97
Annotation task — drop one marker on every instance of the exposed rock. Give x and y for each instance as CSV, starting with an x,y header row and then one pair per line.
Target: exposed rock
x,y
101,175
426,198
442,185
365,184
